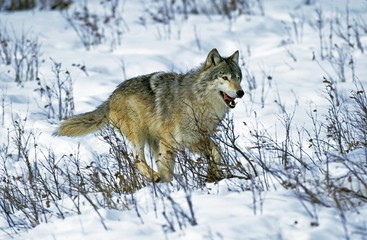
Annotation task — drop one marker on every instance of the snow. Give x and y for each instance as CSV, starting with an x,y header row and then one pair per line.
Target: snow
x,y
228,209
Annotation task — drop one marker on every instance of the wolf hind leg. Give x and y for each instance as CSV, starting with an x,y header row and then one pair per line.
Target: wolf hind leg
x,y
166,162
141,163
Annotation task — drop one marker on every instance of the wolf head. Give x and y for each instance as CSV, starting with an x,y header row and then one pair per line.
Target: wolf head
x,y
225,76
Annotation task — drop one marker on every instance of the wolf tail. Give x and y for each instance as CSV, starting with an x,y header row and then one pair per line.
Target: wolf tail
x,y
85,123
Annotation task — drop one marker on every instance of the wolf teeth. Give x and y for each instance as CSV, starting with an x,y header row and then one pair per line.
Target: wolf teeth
x,y
231,103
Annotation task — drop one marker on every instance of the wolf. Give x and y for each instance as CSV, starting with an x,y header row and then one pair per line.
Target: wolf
x,y
168,111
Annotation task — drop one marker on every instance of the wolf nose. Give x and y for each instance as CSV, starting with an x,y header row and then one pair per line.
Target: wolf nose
x,y
240,93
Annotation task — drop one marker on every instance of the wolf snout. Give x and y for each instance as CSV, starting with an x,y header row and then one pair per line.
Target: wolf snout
x,y
240,93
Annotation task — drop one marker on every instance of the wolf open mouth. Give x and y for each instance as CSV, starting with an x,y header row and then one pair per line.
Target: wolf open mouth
x,y
228,100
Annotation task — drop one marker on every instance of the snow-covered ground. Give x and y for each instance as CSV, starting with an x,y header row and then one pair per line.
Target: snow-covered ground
x,y
279,48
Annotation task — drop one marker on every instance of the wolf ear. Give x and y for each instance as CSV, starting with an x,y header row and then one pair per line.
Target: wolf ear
x,y
213,58
235,56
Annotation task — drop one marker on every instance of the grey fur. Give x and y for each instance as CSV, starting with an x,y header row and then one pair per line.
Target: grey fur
x,y
168,111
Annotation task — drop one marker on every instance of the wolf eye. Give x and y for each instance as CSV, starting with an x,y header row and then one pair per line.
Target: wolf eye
x,y
225,78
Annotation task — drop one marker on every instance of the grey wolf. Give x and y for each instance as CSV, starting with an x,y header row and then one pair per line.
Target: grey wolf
x,y
168,111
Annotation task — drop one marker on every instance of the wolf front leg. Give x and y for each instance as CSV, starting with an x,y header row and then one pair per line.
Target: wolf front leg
x,y
166,162
214,172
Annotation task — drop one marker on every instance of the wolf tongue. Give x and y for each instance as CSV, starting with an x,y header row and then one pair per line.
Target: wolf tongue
x,y
227,98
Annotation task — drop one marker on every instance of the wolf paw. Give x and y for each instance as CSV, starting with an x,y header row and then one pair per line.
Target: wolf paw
x,y
211,179
214,172
155,177
215,176
147,172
